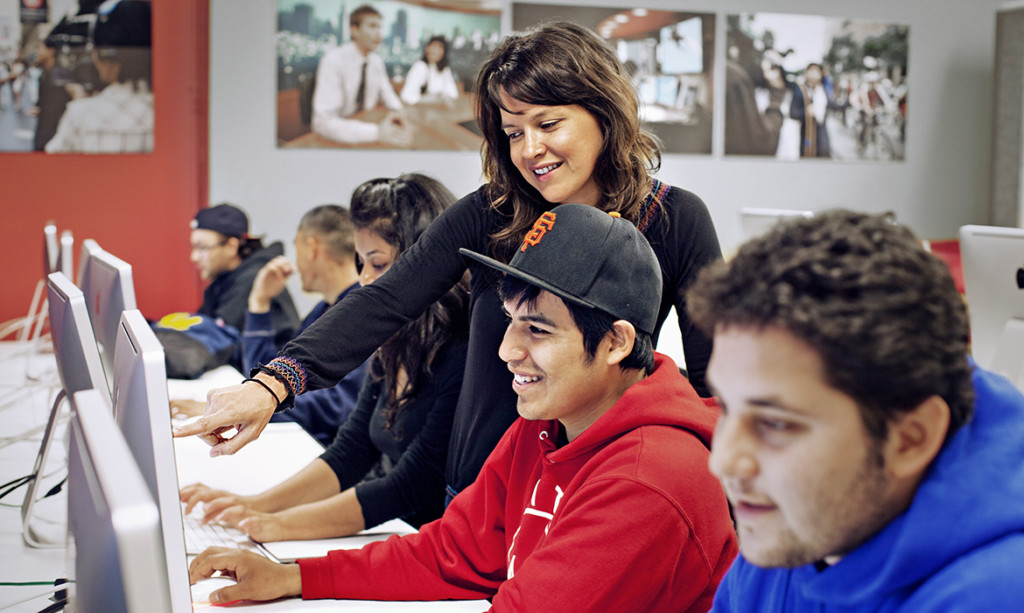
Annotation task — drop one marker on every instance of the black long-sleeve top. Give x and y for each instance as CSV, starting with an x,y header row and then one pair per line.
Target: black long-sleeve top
x,y
407,460
680,231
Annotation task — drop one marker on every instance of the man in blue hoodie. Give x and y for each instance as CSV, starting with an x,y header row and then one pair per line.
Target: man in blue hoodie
x,y
871,466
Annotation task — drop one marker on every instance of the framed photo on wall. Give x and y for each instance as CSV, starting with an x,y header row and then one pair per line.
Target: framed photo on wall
x,y
77,77
381,74
807,86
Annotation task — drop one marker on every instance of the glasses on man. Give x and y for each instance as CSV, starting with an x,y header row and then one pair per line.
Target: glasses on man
x,y
204,248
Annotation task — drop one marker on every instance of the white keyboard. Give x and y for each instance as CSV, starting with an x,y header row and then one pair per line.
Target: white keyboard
x,y
199,536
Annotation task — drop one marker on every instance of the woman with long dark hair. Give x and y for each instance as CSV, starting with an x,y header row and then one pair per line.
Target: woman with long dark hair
x,y
430,79
387,459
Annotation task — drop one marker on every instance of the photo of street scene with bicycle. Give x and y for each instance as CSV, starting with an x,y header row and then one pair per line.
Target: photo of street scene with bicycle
x,y
800,86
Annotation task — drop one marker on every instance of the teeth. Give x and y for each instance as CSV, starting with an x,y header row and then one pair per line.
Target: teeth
x,y
524,379
543,171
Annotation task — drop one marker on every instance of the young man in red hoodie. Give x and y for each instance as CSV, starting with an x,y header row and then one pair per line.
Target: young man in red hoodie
x,y
599,499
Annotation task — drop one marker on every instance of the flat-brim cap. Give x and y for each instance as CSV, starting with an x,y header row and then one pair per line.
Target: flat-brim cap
x,y
224,218
590,258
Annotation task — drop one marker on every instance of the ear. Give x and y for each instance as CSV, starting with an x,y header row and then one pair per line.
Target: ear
x,y
313,244
916,437
620,341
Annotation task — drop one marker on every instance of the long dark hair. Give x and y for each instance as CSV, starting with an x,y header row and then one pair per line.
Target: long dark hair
x,y
444,58
399,210
561,63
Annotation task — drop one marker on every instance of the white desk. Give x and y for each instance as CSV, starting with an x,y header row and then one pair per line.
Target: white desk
x,y
281,451
24,408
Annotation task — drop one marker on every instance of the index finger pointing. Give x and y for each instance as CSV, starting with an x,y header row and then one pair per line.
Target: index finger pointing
x,y
199,426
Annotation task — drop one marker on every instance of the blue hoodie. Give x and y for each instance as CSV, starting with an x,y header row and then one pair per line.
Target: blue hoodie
x,y
958,547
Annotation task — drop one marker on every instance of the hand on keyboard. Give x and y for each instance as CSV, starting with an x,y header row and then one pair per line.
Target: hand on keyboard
x,y
214,500
261,527
199,535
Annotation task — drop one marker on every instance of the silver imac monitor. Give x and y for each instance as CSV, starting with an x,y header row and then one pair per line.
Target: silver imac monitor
x,y
993,264
88,247
756,221
141,410
35,320
79,368
74,343
106,282
115,552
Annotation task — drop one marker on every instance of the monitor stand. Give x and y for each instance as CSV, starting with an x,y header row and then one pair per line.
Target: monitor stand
x,y
29,534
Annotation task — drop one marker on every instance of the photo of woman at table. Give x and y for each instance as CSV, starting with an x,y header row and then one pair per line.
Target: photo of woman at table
x,y
430,79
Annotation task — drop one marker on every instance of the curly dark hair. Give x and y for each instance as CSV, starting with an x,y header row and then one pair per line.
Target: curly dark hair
x,y
884,315
561,63
399,210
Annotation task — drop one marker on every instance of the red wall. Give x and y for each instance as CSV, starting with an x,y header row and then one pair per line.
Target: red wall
x,y
136,206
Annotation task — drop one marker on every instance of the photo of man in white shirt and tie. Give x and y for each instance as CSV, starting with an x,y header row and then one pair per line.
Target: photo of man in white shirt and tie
x,y
352,78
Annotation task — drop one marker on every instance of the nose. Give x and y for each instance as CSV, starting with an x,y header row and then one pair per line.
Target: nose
x,y
511,349
367,276
533,143
732,453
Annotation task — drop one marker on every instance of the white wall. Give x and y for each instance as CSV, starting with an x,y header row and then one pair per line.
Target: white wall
x,y
943,184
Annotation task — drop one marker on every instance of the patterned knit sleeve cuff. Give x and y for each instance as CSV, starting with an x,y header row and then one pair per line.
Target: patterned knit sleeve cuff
x,y
290,373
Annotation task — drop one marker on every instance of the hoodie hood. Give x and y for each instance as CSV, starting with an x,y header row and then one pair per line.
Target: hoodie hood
x,y
227,297
249,266
663,398
971,496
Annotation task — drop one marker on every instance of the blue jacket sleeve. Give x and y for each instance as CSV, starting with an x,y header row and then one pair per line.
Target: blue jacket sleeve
x,y
257,340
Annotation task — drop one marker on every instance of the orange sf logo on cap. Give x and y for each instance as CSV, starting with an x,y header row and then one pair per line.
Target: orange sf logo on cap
x,y
540,227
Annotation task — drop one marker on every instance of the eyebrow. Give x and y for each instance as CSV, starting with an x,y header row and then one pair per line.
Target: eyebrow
x,y
761,402
531,317
541,115
776,404
538,319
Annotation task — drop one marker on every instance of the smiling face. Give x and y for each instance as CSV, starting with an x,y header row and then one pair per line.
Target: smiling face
x,y
555,148
806,481
376,254
553,376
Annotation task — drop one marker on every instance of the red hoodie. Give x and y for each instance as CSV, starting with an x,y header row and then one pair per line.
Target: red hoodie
x,y
626,517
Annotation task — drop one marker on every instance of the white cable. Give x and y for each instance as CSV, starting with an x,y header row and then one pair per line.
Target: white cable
x,y
24,436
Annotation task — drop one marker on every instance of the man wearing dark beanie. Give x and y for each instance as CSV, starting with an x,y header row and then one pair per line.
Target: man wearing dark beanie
x,y
229,259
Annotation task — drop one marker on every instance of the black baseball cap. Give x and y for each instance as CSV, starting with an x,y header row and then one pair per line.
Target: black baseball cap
x,y
590,258
229,220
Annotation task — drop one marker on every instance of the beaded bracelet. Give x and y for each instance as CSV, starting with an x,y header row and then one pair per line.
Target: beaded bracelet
x,y
266,387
